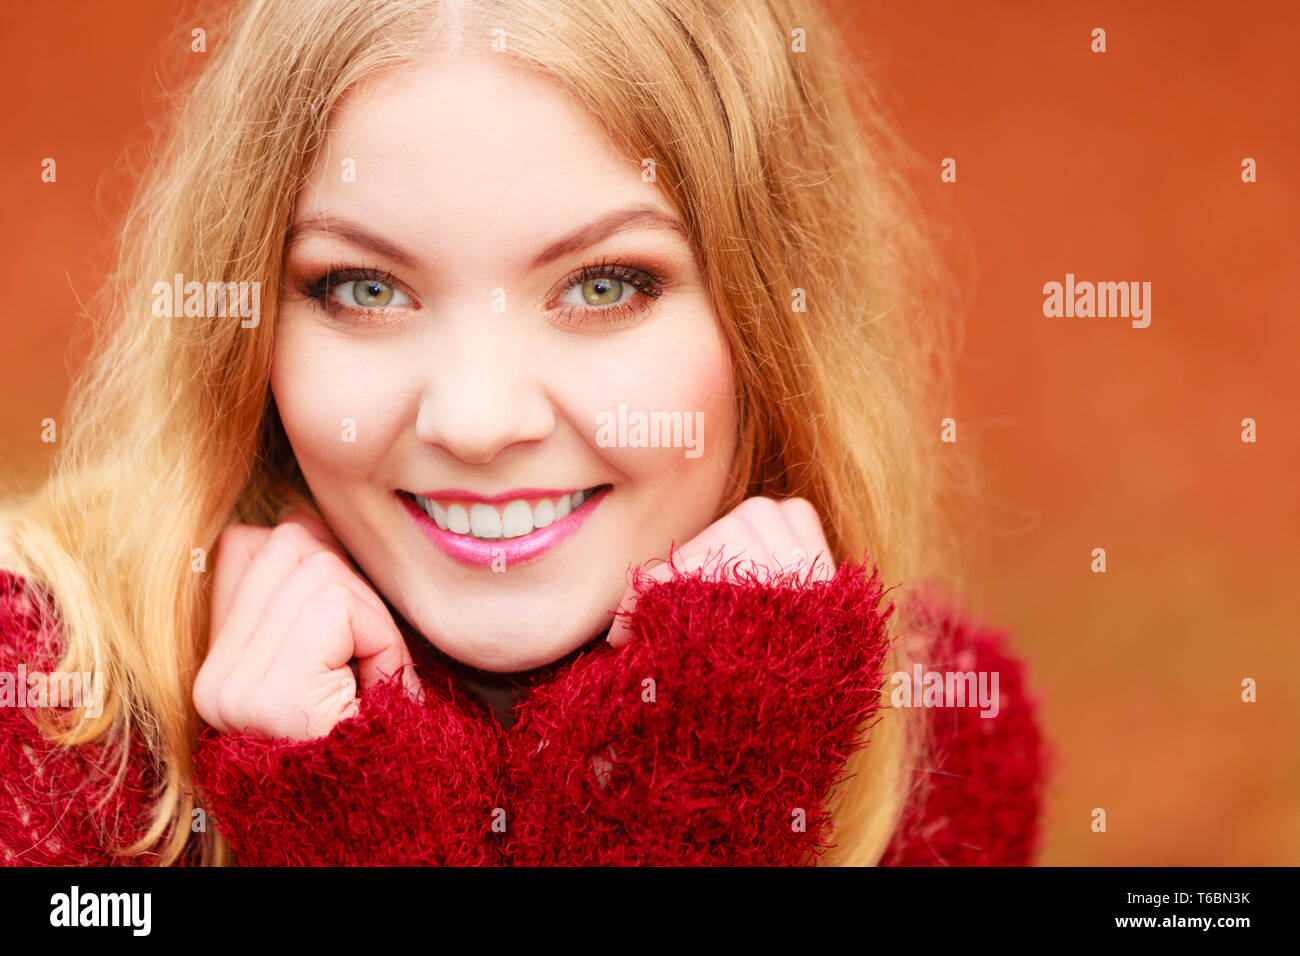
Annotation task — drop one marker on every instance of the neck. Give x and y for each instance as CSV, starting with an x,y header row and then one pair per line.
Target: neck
x,y
500,691
499,694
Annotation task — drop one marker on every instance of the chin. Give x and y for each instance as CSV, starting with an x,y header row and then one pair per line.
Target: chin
x,y
508,654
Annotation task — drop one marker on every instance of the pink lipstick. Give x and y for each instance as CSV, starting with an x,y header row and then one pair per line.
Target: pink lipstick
x,y
489,552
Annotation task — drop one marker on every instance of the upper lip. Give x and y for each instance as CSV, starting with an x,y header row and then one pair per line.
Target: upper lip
x,y
460,494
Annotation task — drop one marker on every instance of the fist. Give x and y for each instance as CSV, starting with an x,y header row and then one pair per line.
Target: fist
x,y
781,535
289,617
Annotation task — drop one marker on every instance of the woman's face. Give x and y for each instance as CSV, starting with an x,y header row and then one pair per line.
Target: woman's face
x,y
460,353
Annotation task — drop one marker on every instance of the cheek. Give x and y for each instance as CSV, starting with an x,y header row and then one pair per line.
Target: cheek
x,y
682,374
336,401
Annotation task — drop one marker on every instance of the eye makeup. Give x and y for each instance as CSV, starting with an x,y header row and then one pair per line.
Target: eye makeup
x,y
598,278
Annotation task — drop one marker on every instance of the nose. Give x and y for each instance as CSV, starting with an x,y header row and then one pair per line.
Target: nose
x,y
485,391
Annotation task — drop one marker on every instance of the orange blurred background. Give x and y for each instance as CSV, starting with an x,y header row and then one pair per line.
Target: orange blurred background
x,y
1115,166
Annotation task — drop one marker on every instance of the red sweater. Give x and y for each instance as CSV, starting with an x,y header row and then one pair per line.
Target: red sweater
x,y
712,738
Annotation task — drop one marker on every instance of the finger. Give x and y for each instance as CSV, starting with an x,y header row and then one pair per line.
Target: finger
x,y
728,536
240,543
301,706
317,528
309,686
205,694
303,583
236,548
322,533
619,631
285,548
731,536
779,546
380,651
807,524
368,634
302,695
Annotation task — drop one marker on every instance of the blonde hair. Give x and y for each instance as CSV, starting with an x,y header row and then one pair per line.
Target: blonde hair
x,y
786,177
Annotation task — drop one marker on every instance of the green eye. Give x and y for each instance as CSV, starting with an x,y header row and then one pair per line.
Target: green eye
x,y
369,294
607,294
604,290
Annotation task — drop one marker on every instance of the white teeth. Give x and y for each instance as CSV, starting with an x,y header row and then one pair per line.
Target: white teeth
x,y
484,521
457,520
516,519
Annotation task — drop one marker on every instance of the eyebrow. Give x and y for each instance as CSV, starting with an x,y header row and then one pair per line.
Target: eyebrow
x,y
641,216
631,217
341,228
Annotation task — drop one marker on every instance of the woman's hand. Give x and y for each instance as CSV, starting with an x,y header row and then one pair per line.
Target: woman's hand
x,y
289,614
775,534
716,735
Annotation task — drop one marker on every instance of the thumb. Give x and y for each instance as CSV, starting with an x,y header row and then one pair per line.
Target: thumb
x,y
620,631
380,649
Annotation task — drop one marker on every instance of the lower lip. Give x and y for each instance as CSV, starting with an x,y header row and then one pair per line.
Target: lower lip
x,y
527,547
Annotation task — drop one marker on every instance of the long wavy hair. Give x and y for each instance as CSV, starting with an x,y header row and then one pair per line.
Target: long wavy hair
x,y
791,185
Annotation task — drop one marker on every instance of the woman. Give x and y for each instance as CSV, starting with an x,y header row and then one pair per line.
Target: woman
x,y
546,310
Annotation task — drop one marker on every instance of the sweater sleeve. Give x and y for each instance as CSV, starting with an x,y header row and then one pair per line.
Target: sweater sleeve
x,y
713,737
977,791
400,783
57,807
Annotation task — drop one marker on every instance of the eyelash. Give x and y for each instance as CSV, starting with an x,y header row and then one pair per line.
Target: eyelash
x,y
649,285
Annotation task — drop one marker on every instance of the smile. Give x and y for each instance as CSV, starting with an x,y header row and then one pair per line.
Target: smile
x,y
503,532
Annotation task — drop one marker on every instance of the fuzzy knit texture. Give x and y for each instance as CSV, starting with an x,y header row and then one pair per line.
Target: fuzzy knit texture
x,y
713,737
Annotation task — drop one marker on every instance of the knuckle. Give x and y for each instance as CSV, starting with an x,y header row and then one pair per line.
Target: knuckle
x,y
335,596
237,537
736,526
802,506
328,561
227,705
758,512
201,698
202,690
234,533
291,534
207,715
323,562
337,591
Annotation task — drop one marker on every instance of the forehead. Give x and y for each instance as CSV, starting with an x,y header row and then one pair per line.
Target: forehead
x,y
481,141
